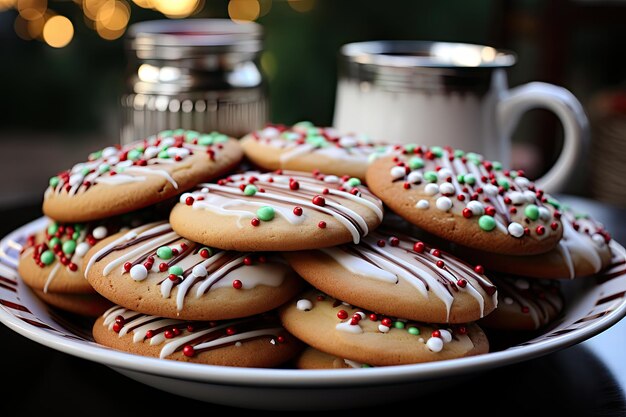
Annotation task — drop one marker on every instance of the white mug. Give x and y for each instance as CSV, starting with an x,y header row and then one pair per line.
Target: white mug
x,y
438,93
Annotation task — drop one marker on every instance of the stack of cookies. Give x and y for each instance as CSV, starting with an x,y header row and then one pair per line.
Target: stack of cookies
x,y
299,261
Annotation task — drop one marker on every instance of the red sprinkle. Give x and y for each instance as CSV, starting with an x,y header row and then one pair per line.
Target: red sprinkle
x,y
231,331
73,267
394,241
554,225
247,260
490,211
373,317
460,197
237,284
342,314
318,200
467,213
294,185
205,253
297,211
386,322
436,252
461,283
381,243
168,334
322,225
117,327
281,339
512,210
188,351
172,277
406,185
325,191
436,333
526,231
440,263
462,330
525,309
419,247
540,230
255,222
479,269
189,200
149,334
127,266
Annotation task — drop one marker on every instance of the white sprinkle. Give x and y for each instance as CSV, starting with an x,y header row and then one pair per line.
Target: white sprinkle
x,y
151,152
347,142
508,300
522,182
447,189
397,172
490,189
100,232
444,203
349,328
332,179
544,213
530,196
516,229
476,207
173,152
169,141
420,340
238,344
522,284
270,132
81,249
435,344
76,179
431,189
130,235
598,239
204,190
444,173
445,335
304,305
199,271
422,204
125,164
383,329
414,177
138,272
516,197
109,151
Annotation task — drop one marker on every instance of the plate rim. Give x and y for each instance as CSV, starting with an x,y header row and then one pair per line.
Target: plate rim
x,y
295,378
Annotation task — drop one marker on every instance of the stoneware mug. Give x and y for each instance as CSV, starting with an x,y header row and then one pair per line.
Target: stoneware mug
x,y
439,93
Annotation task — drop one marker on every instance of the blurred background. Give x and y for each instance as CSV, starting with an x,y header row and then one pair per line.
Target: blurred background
x,y
64,64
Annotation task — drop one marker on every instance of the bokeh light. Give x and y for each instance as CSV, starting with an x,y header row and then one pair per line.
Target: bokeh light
x,y
113,15
265,7
35,26
32,9
243,11
58,31
146,4
7,4
302,6
91,7
21,28
176,8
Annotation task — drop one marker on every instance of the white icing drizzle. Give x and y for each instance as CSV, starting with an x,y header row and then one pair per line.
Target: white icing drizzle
x,y
51,276
579,244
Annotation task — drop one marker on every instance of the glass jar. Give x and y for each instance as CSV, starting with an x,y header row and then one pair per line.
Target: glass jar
x,y
199,74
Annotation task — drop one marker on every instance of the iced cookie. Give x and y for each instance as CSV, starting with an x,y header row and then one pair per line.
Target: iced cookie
x,y
258,341
397,275
153,270
117,180
359,335
583,251
311,358
277,211
305,147
524,304
91,305
466,199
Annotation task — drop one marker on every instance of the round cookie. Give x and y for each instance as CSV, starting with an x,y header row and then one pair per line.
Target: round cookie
x,y
584,250
51,260
394,274
358,335
91,305
467,200
258,341
277,211
117,180
304,147
524,304
153,270
311,358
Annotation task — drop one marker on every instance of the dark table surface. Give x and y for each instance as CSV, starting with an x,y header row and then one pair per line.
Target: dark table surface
x,y
588,379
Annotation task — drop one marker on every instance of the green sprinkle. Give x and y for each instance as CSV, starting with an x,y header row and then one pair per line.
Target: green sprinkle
x,y
119,170
75,235
85,171
364,365
140,148
79,227
458,153
460,178
220,138
317,141
413,330
532,212
554,203
53,228
163,154
54,181
290,136
95,155
175,270
47,257
54,241
487,223
497,165
430,176
191,135
579,216
104,168
513,174
474,158
134,154
504,183
399,325
354,182
409,148
416,162
165,133
164,252
205,140
303,125
178,132
469,179
250,190
437,151
69,247
265,213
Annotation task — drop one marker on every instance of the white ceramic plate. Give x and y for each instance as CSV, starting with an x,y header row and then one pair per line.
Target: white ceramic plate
x,y
593,305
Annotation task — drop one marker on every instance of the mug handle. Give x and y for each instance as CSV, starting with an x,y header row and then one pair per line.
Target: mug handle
x,y
568,109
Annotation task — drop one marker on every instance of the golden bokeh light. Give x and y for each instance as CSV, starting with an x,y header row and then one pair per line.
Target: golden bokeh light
x,y
108,34
114,15
58,31
243,11
21,28
176,8
302,6
265,7
35,26
146,4
32,9
91,7
7,4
